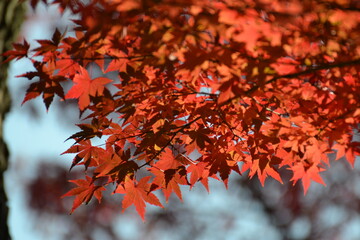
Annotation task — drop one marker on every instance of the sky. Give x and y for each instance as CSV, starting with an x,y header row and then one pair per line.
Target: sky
x,y
29,139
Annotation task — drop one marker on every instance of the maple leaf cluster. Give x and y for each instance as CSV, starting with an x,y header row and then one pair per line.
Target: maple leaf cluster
x,y
203,89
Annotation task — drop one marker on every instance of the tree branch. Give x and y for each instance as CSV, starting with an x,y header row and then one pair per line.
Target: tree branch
x,y
296,75
169,142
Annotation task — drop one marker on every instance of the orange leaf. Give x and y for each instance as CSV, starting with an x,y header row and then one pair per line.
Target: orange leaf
x,y
84,192
137,194
85,87
307,175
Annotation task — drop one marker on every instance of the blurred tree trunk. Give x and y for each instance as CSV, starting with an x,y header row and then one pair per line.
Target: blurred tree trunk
x,y
11,17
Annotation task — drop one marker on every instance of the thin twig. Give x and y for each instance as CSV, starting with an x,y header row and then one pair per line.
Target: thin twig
x,y
295,75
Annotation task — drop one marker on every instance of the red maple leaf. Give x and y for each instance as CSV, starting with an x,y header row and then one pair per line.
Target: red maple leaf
x,y
137,194
199,172
306,175
168,181
167,160
21,50
84,192
87,153
85,87
48,84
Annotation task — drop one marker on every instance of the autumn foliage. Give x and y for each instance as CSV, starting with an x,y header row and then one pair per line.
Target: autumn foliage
x,y
202,89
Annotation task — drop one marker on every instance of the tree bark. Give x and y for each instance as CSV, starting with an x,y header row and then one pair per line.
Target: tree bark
x,y
11,17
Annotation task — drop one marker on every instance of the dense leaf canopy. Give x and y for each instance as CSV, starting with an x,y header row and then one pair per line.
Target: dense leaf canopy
x,y
202,89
